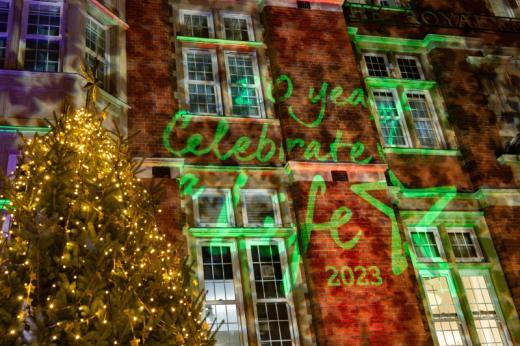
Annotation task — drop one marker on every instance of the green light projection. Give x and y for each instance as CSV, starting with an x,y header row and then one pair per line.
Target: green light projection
x,y
243,150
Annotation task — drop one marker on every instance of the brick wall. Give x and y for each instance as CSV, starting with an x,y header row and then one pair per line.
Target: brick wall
x,y
359,312
504,223
475,125
149,86
300,47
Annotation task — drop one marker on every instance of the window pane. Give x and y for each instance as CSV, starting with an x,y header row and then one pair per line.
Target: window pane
x,y
4,16
213,209
244,89
447,324
273,323
489,325
462,243
260,208
389,118
236,29
425,244
196,25
3,43
422,118
409,68
42,55
95,42
220,298
43,20
376,66
201,84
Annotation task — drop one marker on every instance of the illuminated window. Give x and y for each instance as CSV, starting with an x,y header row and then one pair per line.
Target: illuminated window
x,y
426,243
260,208
221,279
423,119
196,23
447,320
4,21
202,85
391,119
409,67
213,208
464,244
244,84
490,327
275,325
42,35
377,65
96,55
237,27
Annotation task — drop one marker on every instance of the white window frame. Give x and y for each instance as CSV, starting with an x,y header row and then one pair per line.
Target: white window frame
x,y
289,300
25,36
478,250
216,80
106,58
247,17
456,303
258,83
409,57
494,298
229,207
237,279
275,202
438,243
208,14
402,119
7,32
435,118
387,64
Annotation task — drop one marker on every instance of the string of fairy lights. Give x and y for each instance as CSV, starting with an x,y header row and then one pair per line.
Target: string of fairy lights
x,y
85,246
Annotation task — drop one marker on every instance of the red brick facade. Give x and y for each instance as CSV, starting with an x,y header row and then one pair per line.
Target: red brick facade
x,y
335,156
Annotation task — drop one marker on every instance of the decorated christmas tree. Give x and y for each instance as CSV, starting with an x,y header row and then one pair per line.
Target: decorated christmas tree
x,y
84,262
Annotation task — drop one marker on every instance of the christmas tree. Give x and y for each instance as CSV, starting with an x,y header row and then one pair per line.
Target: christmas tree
x,y
85,262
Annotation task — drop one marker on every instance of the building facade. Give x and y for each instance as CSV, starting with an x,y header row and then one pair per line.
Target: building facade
x,y
340,173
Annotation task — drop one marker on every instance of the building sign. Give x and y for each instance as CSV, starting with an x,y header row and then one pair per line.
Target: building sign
x,y
444,19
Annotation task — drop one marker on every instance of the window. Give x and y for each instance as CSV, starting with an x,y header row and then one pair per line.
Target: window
x,y
4,21
423,119
222,279
244,84
96,52
409,67
447,321
270,295
42,35
490,327
213,208
196,24
377,65
464,244
202,84
260,208
390,118
237,27
426,243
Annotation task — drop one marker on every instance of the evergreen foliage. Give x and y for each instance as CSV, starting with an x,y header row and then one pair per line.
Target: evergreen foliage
x,y
85,262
